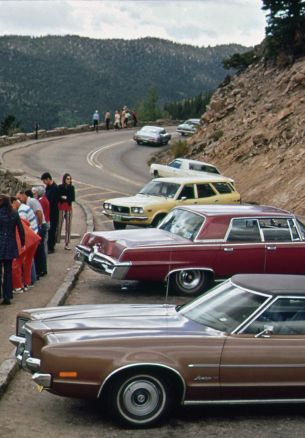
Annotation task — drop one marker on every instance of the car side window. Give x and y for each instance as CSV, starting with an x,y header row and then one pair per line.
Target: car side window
x,y
275,230
244,230
187,192
222,187
205,191
286,316
176,164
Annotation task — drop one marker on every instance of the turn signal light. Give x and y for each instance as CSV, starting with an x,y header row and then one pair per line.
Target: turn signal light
x,y
71,374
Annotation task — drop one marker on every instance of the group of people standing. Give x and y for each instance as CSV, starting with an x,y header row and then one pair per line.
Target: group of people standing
x,y
30,226
122,119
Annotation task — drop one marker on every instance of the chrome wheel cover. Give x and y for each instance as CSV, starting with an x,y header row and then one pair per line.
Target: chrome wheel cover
x,y
141,399
190,280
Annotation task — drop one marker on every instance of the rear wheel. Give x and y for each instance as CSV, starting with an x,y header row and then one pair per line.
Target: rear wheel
x,y
191,281
139,400
119,226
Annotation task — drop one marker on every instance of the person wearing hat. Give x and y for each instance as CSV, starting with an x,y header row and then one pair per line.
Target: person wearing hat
x,y
9,223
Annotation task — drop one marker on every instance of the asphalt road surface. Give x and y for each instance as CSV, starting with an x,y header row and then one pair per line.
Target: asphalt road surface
x,y
104,165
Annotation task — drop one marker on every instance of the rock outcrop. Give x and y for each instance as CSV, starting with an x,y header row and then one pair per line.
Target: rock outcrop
x,y
254,131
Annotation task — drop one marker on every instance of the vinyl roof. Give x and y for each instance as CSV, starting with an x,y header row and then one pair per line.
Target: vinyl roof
x,y
274,284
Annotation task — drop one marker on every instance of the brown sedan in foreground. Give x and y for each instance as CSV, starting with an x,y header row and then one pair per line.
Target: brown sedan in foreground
x,y
242,342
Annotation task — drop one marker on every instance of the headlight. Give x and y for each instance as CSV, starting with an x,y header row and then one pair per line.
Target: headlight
x,y
137,210
21,321
107,206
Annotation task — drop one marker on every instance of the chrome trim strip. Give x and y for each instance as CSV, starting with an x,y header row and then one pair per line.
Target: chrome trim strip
x,y
286,365
203,365
243,402
142,364
188,268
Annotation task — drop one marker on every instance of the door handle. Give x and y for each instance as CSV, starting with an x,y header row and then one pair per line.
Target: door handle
x,y
271,247
228,249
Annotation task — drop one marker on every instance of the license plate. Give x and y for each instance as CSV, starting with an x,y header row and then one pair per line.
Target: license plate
x,y
117,217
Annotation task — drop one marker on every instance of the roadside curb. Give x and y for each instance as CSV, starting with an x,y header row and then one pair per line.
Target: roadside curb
x,y
9,367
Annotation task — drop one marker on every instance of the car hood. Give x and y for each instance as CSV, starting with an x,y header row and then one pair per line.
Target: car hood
x,y
138,200
80,323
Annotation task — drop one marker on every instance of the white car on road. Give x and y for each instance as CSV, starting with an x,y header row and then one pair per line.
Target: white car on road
x,y
183,167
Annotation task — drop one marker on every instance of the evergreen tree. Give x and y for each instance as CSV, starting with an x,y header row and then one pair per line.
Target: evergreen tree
x,y
9,125
285,30
148,109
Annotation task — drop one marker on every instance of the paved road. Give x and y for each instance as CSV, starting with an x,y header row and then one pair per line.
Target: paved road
x,y
24,412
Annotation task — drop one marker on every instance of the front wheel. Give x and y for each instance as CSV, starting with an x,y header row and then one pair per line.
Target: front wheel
x,y
119,226
139,400
190,281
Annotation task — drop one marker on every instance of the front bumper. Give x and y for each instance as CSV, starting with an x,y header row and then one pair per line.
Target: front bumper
x,y
119,217
102,263
23,356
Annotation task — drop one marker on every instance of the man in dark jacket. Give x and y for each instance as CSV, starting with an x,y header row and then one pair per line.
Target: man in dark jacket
x,y
52,196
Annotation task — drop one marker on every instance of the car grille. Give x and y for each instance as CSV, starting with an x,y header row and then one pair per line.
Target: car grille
x,y
28,341
118,209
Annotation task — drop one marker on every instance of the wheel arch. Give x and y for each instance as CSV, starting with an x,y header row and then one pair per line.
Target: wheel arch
x,y
174,271
159,369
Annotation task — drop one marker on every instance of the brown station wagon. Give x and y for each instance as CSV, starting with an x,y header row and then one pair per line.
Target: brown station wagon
x,y
242,342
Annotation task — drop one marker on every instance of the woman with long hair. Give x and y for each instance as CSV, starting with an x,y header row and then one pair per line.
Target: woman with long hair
x,y
9,222
66,195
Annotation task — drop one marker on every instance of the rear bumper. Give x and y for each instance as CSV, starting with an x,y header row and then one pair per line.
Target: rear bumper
x,y
102,263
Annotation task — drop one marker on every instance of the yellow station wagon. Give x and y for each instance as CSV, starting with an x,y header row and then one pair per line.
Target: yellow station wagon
x,y
160,195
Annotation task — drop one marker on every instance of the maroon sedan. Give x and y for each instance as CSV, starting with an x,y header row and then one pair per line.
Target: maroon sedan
x,y
196,245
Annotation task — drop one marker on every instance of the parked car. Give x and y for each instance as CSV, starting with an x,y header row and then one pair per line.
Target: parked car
x,y
188,127
153,135
183,167
160,195
198,244
243,342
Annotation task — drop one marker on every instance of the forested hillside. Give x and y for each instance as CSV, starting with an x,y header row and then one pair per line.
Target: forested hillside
x,y
60,81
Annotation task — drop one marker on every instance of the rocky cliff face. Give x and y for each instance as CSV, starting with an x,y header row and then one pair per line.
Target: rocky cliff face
x,y
254,131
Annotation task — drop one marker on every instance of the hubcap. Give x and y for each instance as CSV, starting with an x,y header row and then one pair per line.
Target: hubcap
x,y
142,398
190,279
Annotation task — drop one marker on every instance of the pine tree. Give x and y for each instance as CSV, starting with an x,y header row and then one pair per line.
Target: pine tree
x,y
285,30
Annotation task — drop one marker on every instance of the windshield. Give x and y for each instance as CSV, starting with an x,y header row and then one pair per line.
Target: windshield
x,y
160,188
183,223
224,308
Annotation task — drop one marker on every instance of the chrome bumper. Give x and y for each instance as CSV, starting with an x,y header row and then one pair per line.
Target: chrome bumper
x,y
102,263
43,380
119,217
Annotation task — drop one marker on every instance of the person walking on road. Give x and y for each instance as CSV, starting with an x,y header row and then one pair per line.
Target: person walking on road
x,y
52,195
96,120
66,195
9,222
